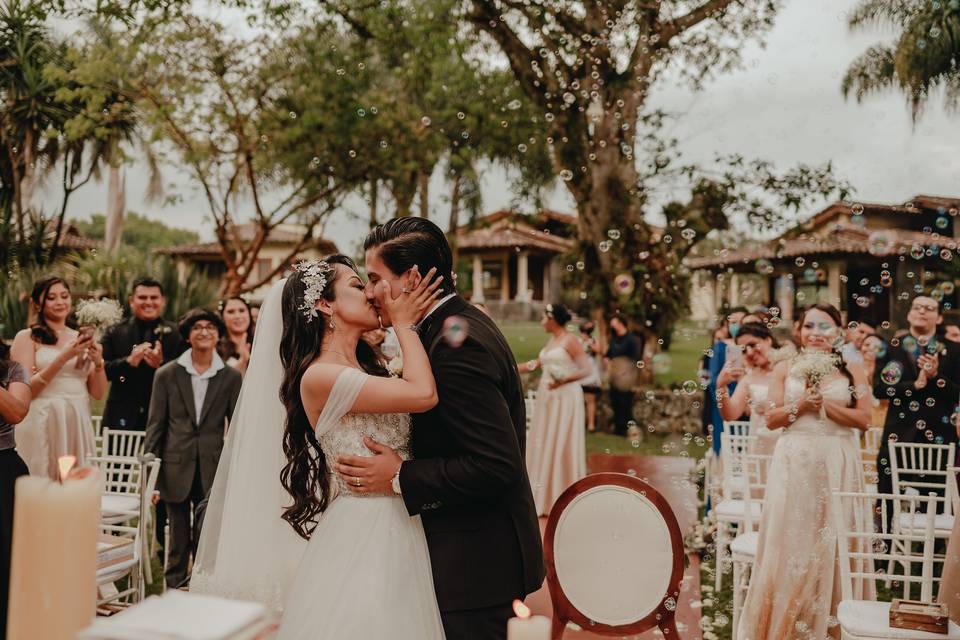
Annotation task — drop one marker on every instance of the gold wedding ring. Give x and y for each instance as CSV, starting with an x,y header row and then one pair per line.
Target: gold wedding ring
x,y
356,482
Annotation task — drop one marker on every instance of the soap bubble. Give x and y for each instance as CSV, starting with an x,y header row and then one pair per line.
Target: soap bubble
x,y
455,330
891,373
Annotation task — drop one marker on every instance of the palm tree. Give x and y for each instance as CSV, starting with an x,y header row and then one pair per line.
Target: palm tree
x,y
923,58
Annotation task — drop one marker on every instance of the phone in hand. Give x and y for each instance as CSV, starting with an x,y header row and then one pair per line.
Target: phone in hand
x,y
734,356
85,334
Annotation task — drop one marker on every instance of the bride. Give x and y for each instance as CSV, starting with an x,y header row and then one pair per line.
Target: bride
x,y
363,552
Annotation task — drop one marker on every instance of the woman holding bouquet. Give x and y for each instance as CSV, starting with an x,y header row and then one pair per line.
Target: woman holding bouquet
x,y
556,447
66,368
822,403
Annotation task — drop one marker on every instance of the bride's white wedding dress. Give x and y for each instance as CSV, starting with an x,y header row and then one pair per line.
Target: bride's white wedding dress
x,y
366,570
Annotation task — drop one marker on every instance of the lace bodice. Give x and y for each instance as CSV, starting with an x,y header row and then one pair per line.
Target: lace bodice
x,y
69,381
346,437
557,363
836,390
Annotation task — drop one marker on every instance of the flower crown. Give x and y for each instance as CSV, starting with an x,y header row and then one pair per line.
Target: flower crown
x,y
315,274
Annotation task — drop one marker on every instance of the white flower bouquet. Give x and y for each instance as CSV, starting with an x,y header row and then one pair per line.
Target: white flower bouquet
x,y
812,368
395,367
94,316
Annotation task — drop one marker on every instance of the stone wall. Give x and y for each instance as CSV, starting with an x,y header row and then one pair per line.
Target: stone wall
x,y
660,411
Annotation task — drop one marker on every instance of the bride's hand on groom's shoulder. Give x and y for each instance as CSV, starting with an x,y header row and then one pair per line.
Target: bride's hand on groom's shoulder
x,y
415,299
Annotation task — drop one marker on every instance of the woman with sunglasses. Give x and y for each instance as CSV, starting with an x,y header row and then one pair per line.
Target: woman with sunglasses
x,y
753,372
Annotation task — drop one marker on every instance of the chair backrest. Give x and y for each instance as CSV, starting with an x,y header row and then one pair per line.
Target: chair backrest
x,y
614,557
120,475
97,425
872,439
953,488
755,469
871,549
923,467
736,427
732,450
119,443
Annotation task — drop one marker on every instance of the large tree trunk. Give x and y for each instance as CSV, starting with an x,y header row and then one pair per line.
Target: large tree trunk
x,y
374,192
116,203
454,218
423,186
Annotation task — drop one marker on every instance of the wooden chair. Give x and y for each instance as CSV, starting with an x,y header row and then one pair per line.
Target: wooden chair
x,y
97,435
118,443
865,544
869,450
731,509
743,549
615,558
736,428
922,468
530,404
130,569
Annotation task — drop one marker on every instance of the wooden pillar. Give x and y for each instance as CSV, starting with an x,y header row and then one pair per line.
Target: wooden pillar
x,y
734,290
785,298
833,284
477,279
523,293
547,268
505,279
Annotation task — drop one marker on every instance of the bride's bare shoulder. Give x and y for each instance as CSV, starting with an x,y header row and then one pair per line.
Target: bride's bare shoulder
x,y
321,376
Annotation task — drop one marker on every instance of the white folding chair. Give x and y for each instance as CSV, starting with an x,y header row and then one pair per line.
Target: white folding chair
x,y
736,427
97,435
530,404
731,509
743,549
864,544
615,557
131,569
869,450
118,443
921,468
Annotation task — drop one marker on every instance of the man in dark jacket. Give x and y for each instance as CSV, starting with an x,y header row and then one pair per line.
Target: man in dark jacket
x,y
467,479
920,375
132,353
193,399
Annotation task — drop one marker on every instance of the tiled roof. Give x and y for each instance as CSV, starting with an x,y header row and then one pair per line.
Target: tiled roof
x,y
844,238
510,235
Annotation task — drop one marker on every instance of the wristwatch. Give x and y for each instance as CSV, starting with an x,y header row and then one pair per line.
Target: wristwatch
x,y
395,483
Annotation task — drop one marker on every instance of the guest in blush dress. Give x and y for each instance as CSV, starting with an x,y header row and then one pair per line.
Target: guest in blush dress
x,y
556,447
66,367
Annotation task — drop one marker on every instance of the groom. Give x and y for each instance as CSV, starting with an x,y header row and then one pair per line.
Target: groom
x,y
467,479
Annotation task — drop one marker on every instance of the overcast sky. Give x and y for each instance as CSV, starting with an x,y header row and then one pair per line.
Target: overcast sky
x,y
785,106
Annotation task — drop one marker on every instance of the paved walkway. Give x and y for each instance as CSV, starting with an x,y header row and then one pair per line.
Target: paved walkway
x,y
670,476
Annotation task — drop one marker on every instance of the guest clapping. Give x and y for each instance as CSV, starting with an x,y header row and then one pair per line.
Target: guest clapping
x,y
66,367
556,446
236,345
186,431
134,350
14,404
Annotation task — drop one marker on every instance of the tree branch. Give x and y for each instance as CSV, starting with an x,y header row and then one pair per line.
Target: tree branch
x,y
694,17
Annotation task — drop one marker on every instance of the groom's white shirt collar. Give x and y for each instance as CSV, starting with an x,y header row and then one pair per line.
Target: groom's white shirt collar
x,y
439,303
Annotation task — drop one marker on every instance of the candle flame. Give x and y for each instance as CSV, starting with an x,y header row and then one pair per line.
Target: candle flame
x,y
522,610
66,463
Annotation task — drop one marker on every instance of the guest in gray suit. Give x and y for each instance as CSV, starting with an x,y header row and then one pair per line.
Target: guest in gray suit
x,y
192,402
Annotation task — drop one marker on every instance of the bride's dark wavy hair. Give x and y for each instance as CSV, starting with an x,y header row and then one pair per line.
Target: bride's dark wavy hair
x,y
305,474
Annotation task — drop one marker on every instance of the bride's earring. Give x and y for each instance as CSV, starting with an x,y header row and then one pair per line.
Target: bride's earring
x,y
331,324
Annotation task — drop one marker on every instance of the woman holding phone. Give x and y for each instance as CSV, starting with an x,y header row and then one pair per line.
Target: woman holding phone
x,y
66,368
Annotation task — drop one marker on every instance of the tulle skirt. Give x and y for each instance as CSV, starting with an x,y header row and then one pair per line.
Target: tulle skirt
x,y
795,586
55,426
365,574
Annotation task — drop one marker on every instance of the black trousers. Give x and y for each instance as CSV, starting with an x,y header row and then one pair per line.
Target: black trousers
x,y
184,535
477,624
622,404
11,468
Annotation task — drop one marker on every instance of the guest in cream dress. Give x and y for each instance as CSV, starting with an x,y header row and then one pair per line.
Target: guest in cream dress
x,y
795,587
556,447
753,382
66,368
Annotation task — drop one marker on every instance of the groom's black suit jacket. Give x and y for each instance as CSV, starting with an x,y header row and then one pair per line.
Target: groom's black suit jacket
x,y
468,479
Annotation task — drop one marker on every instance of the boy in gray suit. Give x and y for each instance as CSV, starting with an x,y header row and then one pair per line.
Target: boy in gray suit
x,y
192,401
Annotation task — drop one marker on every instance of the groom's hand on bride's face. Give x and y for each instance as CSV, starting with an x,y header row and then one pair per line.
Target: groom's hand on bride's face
x,y
370,474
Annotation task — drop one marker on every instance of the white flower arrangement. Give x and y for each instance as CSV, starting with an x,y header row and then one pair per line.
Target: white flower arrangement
x,y
784,353
99,314
395,367
813,367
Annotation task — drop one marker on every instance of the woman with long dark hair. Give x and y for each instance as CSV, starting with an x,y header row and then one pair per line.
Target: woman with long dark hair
x,y
362,548
237,342
14,404
822,403
66,368
753,373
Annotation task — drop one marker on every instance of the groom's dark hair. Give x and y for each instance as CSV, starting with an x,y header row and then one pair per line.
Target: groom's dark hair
x,y
405,242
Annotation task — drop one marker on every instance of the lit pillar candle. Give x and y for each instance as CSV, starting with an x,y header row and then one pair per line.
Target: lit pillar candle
x,y
53,573
525,626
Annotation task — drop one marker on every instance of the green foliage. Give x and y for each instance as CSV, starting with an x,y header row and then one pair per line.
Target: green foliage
x,y
139,232
923,57
112,275
15,290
